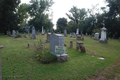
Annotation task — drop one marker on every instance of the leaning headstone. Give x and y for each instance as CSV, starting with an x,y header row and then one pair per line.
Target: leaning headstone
x,y
33,33
103,38
96,36
71,44
65,33
78,37
13,33
57,47
48,38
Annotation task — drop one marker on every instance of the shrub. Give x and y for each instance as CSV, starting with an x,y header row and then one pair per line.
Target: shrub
x,y
44,55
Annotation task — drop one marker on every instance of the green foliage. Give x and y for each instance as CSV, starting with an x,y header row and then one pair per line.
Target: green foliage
x,y
8,16
37,11
61,24
44,55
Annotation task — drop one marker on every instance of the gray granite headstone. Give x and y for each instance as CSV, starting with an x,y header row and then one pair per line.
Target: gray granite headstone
x,y
57,40
33,33
96,36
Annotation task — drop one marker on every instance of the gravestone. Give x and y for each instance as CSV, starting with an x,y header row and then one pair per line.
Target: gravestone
x,y
18,33
78,37
33,33
86,34
48,38
13,33
96,36
77,31
103,38
74,35
71,44
8,33
42,31
70,34
65,33
24,35
57,40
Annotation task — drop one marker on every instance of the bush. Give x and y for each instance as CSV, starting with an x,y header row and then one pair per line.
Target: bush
x,y
44,55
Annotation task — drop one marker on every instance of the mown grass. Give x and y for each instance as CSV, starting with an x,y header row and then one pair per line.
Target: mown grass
x,y
19,62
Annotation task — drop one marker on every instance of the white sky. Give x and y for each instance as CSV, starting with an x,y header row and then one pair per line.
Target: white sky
x,y
61,7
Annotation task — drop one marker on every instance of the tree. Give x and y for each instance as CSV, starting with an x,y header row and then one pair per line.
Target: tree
x,y
22,13
77,15
9,20
37,11
61,24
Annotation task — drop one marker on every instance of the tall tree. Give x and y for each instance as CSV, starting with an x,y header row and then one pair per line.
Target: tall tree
x,y
8,17
61,24
77,15
38,11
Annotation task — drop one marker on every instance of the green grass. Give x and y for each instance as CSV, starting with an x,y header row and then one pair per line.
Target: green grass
x,y
19,63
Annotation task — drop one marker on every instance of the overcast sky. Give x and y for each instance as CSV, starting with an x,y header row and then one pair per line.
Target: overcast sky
x,y
61,7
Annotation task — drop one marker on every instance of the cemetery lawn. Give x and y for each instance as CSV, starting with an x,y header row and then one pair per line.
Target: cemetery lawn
x,y
19,62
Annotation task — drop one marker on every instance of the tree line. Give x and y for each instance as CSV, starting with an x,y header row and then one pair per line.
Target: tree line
x,y
90,22
13,16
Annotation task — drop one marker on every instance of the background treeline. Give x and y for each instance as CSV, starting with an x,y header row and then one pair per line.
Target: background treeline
x,y
13,16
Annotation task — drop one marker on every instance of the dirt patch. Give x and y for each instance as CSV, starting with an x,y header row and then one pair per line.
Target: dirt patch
x,y
111,73
92,52
32,48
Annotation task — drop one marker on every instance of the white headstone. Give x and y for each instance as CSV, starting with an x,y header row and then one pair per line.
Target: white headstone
x,y
77,31
103,38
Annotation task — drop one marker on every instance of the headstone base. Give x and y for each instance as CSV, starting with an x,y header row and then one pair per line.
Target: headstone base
x,y
33,36
62,57
103,41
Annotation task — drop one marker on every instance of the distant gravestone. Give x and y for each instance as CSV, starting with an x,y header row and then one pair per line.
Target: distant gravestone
x,y
24,35
96,36
81,32
70,34
13,33
57,46
33,33
103,38
77,31
18,33
42,31
86,34
74,35
48,38
71,44
36,32
78,37
8,33
65,33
